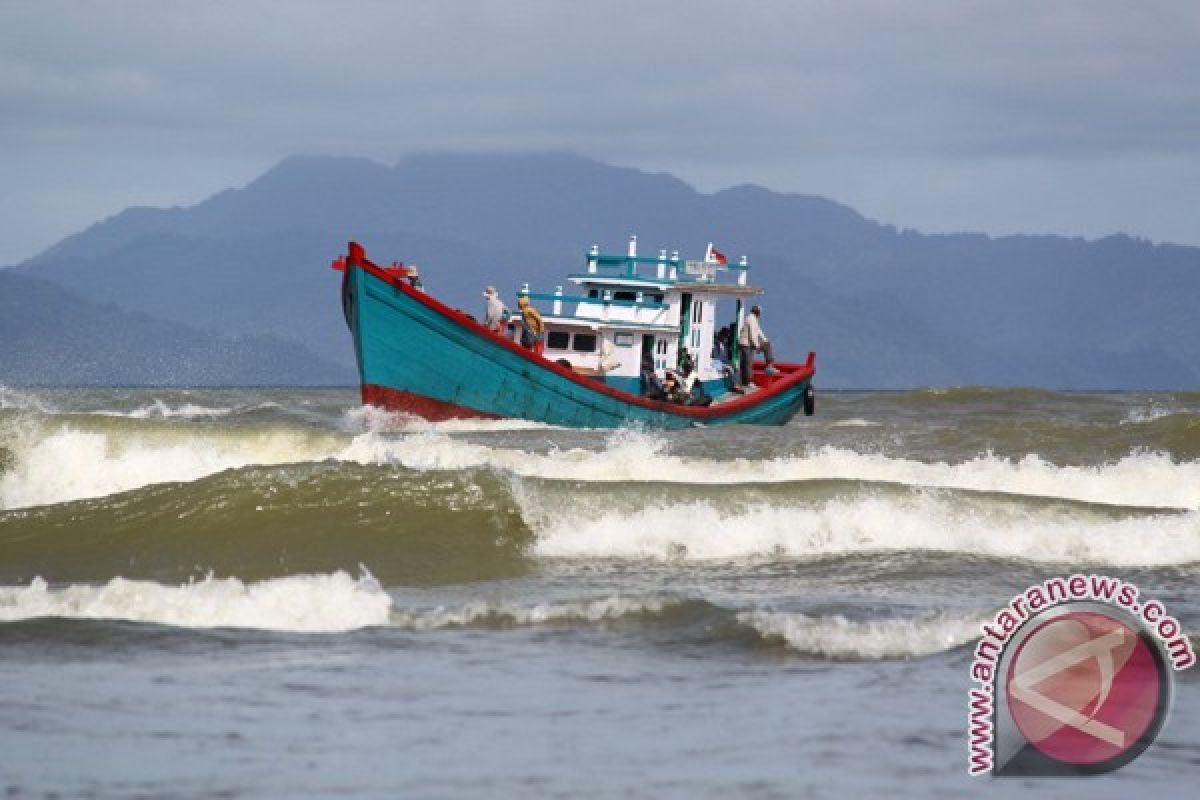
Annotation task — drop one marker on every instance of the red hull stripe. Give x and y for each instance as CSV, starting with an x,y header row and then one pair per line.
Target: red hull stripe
x,y
422,406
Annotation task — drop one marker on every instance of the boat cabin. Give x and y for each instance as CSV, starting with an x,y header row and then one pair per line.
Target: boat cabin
x,y
627,306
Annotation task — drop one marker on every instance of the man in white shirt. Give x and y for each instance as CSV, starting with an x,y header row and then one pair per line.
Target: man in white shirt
x,y
496,314
750,339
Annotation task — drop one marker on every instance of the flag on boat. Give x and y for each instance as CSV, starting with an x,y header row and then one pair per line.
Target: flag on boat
x,y
714,256
339,264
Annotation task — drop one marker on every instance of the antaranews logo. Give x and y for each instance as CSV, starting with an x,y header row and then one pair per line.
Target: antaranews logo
x,y
1075,677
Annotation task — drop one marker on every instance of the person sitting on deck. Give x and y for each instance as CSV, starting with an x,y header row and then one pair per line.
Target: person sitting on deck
x,y
750,339
533,329
673,392
496,313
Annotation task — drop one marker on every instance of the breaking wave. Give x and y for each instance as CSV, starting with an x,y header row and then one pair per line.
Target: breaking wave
x,y
301,603
52,460
836,637
506,615
872,521
339,603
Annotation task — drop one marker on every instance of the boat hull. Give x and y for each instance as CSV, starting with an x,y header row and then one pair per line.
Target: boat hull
x,y
417,355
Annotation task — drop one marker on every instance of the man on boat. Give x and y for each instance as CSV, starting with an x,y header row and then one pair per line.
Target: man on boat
x,y
496,313
414,277
533,329
751,338
672,391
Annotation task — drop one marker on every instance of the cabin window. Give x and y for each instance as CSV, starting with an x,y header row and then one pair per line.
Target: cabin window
x,y
585,342
623,339
557,340
593,293
657,298
630,296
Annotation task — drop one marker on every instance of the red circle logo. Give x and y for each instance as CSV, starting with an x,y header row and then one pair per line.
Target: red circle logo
x,y
1085,688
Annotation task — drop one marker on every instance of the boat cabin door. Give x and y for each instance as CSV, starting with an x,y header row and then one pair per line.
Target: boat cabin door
x,y
647,347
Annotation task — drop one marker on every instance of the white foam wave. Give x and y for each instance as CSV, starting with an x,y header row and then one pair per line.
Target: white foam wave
x,y
301,603
60,463
1139,479
371,419
593,610
837,637
157,409
868,523
1151,413
21,401
855,422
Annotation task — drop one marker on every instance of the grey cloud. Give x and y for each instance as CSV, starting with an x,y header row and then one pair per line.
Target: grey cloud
x,y
761,88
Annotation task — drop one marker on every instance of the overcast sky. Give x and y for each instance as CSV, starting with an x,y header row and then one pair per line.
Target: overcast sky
x,y
1080,118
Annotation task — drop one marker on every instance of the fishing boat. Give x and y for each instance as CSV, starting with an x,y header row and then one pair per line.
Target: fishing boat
x,y
418,355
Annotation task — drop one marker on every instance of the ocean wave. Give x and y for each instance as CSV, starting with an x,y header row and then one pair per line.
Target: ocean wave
x,y
158,409
339,603
493,614
867,522
836,637
13,399
61,461
371,419
54,460
855,423
328,603
1150,413
1137,480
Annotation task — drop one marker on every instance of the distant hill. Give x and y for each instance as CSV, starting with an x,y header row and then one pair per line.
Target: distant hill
x,y
883,308
53,337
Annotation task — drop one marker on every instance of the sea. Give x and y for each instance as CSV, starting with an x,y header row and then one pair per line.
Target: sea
x,y
280,593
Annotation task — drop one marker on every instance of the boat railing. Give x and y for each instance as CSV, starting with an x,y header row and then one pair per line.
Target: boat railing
x,y
599,300
668,268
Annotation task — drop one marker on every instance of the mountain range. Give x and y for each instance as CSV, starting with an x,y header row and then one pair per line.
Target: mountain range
x,y
883,308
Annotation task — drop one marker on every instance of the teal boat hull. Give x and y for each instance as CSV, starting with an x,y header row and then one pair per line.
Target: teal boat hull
x,y
416,354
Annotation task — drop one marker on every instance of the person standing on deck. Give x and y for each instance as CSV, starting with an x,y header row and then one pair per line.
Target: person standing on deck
x,y
414,277
496,312
751,338
533,330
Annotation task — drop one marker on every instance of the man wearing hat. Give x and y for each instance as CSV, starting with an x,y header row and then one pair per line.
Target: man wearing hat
x,y
750,339
414,276
496,313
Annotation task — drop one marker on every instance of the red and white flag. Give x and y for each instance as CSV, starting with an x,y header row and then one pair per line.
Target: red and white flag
x,y
715,256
